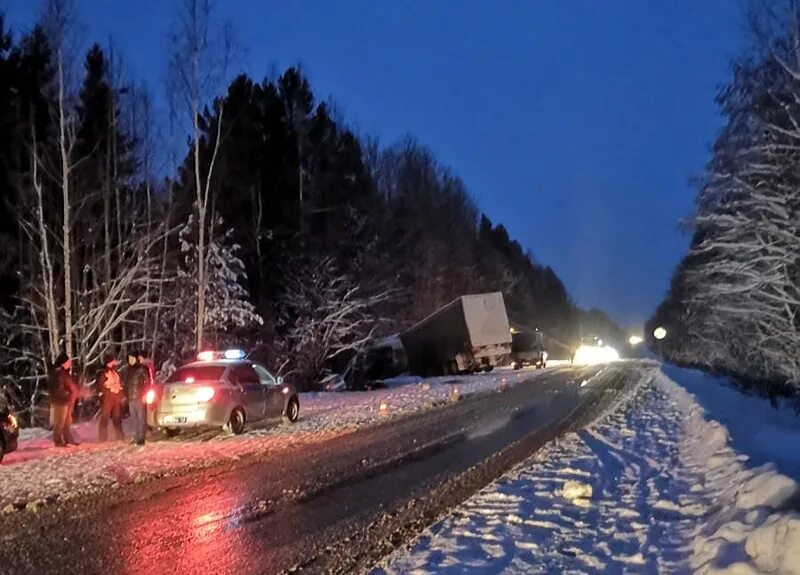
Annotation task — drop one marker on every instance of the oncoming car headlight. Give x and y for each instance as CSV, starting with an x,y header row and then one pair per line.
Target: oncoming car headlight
x,y
591,354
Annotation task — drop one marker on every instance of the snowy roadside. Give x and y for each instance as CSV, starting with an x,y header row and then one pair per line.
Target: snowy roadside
x,y
39,473
655,486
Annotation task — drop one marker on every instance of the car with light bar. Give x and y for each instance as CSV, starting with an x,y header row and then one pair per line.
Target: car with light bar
x,y
222,389
9,433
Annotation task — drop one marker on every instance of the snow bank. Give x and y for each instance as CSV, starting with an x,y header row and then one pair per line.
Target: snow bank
x,y
658,485
39,472
757,429
741,444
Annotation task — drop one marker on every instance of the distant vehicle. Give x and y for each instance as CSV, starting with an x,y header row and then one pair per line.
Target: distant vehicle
x,y
333,382
224,390
9,433
469,334
528,349
380,359
592,350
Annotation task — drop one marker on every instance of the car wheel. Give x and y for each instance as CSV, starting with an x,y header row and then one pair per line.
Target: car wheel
x,y
2,452
292,411
236,422
171,432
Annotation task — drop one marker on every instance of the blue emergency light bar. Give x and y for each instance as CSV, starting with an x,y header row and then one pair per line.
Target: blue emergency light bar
x,y
227,354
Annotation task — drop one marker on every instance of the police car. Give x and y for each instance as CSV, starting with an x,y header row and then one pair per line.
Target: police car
x,y
222,389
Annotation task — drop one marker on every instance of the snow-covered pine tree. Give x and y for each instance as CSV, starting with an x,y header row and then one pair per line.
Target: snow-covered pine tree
x,y
228,308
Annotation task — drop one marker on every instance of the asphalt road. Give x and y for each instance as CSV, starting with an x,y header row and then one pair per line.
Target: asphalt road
x,y
336,508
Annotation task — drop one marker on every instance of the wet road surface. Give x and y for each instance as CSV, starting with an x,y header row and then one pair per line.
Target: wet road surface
x,y
337,507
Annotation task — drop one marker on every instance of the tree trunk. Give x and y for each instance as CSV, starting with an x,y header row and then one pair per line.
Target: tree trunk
x,y
45,262
66,233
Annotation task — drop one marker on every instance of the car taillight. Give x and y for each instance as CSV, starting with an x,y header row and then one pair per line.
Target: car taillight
x,y
204,394
150,396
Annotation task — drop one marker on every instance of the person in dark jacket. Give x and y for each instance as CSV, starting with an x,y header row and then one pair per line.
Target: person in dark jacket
x,y
109,389
62,390
137,382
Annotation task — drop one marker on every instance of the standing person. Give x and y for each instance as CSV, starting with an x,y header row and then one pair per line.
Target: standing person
x,y
144,359
61,388
109,388
137,381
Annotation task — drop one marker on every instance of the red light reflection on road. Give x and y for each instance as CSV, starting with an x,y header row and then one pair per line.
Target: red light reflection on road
x,y
196,534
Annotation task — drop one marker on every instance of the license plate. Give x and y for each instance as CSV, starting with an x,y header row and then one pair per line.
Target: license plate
x,y
173,419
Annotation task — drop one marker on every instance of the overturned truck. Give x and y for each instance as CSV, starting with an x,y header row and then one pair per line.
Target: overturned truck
x,y
469,334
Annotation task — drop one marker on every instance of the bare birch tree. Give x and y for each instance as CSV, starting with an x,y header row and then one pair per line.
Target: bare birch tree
x,y
199,62
58,20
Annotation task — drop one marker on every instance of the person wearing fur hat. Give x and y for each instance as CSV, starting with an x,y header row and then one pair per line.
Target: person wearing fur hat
x,y
62,390
109,389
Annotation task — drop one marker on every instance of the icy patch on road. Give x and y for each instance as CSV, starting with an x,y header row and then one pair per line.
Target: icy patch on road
x,y
39,472
653,487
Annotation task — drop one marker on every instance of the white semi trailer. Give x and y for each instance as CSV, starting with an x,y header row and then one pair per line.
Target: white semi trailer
x,y
469,334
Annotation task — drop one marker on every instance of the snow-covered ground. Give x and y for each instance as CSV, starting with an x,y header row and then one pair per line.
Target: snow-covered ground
x,y
39,472
683,476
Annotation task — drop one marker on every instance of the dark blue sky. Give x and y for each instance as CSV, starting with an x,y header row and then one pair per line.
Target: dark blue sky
x,y
576,124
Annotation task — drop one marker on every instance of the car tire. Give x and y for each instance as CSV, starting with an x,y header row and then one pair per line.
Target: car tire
x,y
236,421
2,451
292,412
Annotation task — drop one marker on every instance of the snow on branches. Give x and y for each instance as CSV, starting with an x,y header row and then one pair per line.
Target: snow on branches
x,y
326,315
227,308
735,299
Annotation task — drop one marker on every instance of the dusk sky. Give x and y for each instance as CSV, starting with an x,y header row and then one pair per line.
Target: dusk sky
x,y
576,124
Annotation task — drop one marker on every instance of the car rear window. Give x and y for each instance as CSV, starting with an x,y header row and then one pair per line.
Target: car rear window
x,y
244,375
197,373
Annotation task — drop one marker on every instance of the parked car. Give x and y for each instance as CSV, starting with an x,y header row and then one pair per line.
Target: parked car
x,y
527,348
9,433
223,390
333,382
535,357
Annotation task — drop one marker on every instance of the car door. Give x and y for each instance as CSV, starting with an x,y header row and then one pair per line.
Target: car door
x,y
273,398
245,377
